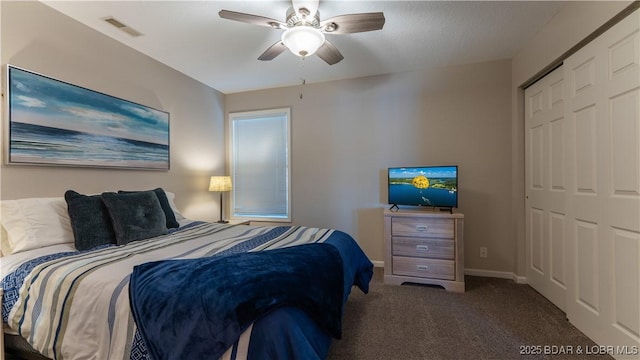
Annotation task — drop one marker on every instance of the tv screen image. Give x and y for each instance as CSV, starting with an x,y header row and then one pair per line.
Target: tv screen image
x,y
435,186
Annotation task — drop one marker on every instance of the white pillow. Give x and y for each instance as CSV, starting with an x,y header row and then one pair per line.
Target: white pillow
x,y
34,223
170,197
5,248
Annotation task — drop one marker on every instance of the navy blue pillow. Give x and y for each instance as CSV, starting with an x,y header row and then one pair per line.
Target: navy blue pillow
x,y
135,216
90,220
164,203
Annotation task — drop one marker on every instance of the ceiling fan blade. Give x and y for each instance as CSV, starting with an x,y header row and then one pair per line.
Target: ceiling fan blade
x,y
252,19
353,23
273,51
329,53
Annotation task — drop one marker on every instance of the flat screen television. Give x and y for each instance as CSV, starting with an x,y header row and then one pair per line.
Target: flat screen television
x,y
432,186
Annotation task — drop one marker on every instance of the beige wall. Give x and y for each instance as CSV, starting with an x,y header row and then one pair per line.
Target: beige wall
x,y
574,22
345,134
38,38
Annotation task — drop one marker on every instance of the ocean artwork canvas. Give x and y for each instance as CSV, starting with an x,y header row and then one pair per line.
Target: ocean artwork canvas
x,y
52,122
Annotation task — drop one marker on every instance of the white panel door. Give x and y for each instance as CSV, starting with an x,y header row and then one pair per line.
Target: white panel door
x,y
545,184
602,104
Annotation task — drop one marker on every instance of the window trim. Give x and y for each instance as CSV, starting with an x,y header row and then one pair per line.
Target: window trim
x,y
239,116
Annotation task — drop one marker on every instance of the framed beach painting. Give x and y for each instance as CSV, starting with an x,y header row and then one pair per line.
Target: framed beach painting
x,y
52,122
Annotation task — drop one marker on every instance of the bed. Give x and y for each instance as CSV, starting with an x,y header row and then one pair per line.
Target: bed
x,y
97,277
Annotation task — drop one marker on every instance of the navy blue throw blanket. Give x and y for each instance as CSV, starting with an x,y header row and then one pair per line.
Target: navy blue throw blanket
x,y
197,308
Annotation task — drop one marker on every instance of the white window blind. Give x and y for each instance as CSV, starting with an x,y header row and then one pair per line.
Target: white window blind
x,y
260,158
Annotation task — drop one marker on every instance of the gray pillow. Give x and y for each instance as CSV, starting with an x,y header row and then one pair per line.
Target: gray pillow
x,y
135,216
90,220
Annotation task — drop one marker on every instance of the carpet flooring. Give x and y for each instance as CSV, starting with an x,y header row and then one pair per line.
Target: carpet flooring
x,y
493,319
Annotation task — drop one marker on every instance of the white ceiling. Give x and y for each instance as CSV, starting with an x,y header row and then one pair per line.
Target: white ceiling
x,y
190,37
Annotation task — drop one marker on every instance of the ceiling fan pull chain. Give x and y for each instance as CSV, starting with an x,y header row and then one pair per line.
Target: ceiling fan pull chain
x,y
303,81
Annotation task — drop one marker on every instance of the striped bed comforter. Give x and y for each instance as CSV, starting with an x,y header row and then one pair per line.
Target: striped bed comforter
x,y
76,305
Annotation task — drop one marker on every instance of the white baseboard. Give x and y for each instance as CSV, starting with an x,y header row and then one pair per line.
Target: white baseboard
x,y
496,274
520,279
378,263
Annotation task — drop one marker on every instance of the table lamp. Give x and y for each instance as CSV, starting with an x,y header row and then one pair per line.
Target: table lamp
x,y
221,184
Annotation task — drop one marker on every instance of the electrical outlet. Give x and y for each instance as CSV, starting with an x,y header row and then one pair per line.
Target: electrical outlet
x,y
483,252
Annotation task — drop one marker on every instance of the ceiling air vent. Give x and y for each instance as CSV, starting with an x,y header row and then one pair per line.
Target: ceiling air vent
x,y
123,27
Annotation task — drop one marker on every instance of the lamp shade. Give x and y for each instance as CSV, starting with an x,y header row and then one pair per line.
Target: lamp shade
x,y
220,183
303,40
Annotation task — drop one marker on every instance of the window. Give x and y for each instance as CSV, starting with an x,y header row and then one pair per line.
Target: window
x,y
260,158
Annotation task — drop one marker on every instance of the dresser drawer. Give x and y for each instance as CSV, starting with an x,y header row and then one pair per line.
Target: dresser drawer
x,y
424,268
427,248
422,227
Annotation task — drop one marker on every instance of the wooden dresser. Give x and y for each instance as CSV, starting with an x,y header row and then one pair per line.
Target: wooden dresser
x,y
425,247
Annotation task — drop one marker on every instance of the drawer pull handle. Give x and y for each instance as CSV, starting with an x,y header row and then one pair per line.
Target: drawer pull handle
x,y
422,247
422,267
422,227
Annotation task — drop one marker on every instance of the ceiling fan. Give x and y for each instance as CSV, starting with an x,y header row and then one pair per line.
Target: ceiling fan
x,y
304,32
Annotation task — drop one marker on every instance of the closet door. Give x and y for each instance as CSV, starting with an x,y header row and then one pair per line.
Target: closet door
x,y
603,196
545,187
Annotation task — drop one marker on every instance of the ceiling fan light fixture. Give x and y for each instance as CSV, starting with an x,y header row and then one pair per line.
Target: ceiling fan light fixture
x,y
303,41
